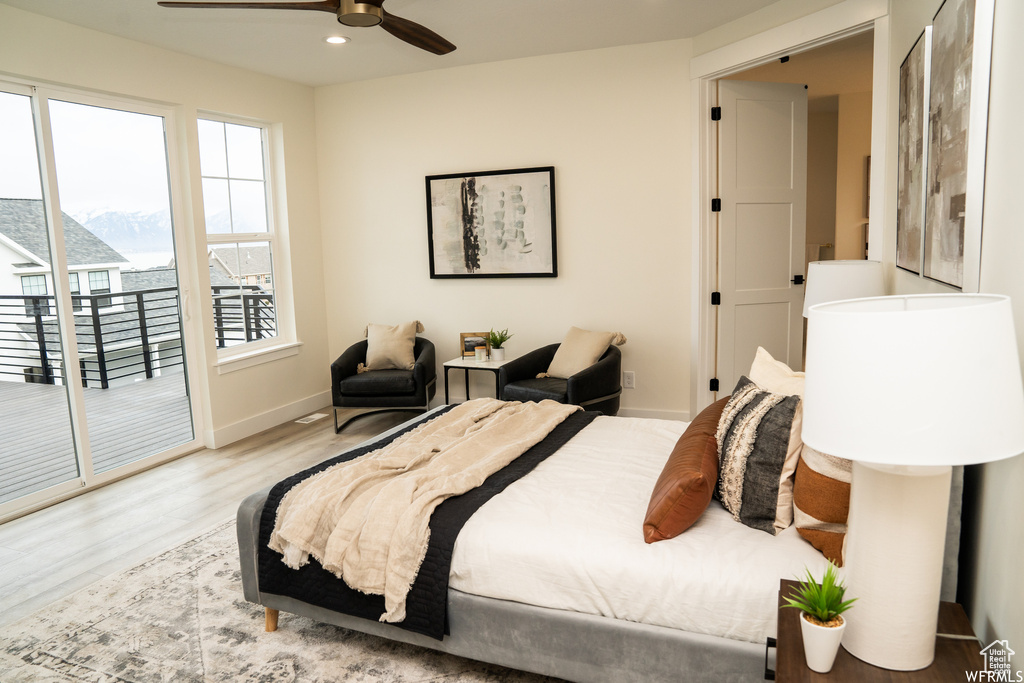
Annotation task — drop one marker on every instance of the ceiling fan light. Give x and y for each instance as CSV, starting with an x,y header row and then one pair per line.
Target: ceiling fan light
x,y
352,13
335,40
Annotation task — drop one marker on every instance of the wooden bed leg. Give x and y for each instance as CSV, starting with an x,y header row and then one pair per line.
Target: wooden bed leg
x,y
271,619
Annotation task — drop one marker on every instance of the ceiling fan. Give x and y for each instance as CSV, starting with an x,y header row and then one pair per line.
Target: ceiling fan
x,y
350,13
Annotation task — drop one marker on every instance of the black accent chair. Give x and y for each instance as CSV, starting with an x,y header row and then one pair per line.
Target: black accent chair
x,y
596,388
382,390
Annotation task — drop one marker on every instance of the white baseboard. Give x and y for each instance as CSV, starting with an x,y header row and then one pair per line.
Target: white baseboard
x,y
217,438
681,415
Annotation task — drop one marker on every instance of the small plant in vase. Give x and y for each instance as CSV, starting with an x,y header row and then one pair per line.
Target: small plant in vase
x,y
821,623
496,339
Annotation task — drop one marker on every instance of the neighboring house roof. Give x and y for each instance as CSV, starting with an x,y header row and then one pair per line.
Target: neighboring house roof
x,y
22,221
255,260
164,276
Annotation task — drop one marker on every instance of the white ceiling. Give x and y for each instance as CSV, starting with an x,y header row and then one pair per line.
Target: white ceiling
x,y
289,44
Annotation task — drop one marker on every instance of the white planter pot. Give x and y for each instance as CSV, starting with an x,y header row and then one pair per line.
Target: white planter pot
x,y
497,354
821,644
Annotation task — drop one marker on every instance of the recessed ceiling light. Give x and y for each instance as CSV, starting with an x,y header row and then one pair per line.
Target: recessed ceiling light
x,y
335,40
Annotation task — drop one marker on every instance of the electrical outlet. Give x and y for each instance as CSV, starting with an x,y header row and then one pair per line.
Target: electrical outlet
x,y
629,379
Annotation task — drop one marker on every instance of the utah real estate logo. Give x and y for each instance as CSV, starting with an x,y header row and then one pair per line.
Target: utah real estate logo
x,y
998,667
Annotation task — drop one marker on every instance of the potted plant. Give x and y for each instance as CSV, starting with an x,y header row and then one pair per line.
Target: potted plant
x,y
496,339
821,624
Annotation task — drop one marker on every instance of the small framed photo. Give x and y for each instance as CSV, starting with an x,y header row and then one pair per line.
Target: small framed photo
x,y
468,341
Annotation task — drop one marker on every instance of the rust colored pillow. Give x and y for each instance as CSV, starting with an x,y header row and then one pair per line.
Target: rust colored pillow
x,y
821,501
685,486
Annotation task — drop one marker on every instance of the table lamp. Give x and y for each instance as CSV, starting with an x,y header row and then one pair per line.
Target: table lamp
x,y
906,387
837,280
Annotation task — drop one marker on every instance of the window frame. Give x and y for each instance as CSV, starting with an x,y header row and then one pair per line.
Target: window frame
x,y
248,353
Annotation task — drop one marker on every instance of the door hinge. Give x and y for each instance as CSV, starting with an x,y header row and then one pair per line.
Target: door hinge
x,y
716,298
716,113
797,279
716,204
713,384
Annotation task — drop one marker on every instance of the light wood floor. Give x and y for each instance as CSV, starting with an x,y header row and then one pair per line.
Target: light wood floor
x,y
52,553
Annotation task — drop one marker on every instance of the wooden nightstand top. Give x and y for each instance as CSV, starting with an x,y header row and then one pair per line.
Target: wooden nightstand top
x,y
952,657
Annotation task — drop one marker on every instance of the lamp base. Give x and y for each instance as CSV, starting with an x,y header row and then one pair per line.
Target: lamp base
x,y
894,549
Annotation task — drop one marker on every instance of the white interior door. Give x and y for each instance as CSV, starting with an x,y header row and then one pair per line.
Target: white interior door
x,y
762,183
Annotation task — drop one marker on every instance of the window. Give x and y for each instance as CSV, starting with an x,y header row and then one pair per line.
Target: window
x,y
35,286
239,231
99,283
76,290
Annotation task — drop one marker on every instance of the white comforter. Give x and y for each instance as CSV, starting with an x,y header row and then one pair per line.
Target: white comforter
x,y
569,536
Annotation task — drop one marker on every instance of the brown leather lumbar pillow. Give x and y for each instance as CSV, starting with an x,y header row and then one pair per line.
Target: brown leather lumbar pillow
x,y
686,483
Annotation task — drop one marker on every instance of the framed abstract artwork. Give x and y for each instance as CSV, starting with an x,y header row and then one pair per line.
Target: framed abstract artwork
x,y
961,59
913,129
492,224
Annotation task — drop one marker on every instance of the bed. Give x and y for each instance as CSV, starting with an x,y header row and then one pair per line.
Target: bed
x,y
553,575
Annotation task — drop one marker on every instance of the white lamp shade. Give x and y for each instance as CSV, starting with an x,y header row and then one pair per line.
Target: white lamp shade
x,y
838,280
914,380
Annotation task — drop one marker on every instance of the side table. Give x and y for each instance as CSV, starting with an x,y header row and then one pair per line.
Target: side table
x,y
953,657
467,364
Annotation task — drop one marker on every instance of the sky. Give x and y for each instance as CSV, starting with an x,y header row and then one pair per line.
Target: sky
x,y
105,159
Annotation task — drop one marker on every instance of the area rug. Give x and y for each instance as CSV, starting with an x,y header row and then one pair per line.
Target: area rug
x,y
181,617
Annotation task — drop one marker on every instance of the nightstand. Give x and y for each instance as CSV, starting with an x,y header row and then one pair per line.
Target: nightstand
x,y
952,657
469,363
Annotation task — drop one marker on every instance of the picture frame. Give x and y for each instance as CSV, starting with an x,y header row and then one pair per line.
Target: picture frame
x,y
492,224
961,64
915,78
468,341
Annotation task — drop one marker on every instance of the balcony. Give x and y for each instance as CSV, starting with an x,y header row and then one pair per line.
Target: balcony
x,y
121,336
136,395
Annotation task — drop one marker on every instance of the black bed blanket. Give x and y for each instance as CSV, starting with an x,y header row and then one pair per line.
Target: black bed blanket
x,y
426,605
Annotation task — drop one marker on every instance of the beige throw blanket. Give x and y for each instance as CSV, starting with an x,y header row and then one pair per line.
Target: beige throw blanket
x,y
366,520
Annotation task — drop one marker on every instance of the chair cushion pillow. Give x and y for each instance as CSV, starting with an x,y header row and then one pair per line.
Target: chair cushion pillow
x,y
753,442
378,383
580,349
821,501
536,390
391,346
684,489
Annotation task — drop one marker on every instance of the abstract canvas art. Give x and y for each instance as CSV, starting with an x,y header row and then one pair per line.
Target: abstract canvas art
x,y
957,124
914,73
492,224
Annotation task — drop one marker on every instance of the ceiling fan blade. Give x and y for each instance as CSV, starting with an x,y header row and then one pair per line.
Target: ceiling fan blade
x,y
415,35
323,5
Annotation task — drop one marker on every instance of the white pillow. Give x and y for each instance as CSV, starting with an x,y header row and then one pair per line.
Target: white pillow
x,y
391,346
579,350
775,376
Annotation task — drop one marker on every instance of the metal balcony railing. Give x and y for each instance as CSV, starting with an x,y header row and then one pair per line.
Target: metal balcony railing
x,y
243,314
120,335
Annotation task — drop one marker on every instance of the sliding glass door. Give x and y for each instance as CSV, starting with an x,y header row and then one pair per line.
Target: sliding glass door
x,y
37,448
92,314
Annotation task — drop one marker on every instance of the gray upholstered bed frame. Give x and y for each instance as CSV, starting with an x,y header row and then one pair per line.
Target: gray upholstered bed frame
x,y
569,645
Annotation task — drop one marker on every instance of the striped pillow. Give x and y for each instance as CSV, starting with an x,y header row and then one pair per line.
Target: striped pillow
x,y
821,501
753,441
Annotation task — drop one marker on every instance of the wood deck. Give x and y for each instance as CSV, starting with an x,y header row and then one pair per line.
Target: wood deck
x,y
126,423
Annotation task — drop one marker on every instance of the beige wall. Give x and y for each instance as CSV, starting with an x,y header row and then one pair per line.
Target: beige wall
x,y
995,538
854,147
615,125
248,400
998,609
822,143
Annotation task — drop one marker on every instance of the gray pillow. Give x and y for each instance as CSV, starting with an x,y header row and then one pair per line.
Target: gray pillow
x,y
753,439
